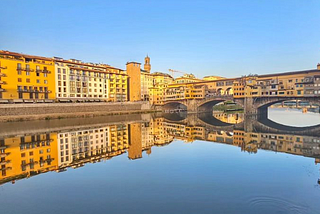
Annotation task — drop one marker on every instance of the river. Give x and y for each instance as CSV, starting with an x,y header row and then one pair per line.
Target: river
x,y
142,164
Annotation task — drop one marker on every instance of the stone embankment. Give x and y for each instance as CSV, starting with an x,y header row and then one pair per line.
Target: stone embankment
x,y
41,111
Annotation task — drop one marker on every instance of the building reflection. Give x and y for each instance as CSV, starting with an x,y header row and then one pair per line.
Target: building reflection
x,y
29,155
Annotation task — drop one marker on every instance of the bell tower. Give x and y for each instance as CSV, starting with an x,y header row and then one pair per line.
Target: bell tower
x,y
147,65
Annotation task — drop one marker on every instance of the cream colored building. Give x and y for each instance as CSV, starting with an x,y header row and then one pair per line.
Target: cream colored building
x,y
79,81
86,144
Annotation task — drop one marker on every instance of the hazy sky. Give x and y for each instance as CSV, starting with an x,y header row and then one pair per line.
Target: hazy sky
x,y
227,38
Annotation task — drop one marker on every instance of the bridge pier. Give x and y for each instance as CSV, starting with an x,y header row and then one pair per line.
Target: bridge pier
x,y
192,106
249,107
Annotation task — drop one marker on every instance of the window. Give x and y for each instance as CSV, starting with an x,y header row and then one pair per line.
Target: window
x,y
19,80
46,82
28,80
38,81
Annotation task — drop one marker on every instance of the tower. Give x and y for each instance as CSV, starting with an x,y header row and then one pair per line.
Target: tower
x,y
134,81
147,65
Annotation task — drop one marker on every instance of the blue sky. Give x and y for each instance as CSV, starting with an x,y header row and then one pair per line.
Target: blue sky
x,y
227,38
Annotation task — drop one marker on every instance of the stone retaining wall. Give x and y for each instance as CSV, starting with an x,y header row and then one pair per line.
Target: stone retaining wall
x,y
13,112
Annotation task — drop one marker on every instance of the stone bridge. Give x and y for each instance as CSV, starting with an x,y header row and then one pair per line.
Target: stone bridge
x,y
259,105
199,105
251,105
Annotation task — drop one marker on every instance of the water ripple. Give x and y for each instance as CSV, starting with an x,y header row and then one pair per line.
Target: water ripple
x,y
280,205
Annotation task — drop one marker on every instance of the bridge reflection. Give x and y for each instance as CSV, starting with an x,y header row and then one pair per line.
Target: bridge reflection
x,y
26,152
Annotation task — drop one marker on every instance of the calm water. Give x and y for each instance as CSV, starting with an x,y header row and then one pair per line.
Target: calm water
x,y
154,164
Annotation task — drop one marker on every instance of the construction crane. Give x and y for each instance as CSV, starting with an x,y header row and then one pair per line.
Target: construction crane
x,y
175,71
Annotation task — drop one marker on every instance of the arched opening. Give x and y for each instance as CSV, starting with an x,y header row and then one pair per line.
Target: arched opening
x,y
225,111
208,106
174,107
290,114
229,91
220,91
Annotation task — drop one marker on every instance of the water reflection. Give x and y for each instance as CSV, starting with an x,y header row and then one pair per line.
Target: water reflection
x,y
28,153
229,117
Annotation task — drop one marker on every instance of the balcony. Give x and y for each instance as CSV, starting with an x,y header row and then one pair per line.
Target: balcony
x,y
4,162
2,90
25,69
3,155
3,82
2,75
3,147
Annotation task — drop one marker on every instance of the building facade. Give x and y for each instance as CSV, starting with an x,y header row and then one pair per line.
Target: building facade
x,y
146,86
26,78
78,81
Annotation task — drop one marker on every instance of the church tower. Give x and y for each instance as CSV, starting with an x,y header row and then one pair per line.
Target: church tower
x,y
147,65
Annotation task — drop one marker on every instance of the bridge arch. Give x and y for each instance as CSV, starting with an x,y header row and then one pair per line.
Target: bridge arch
x,y
267,102
262,105
208,104
175,106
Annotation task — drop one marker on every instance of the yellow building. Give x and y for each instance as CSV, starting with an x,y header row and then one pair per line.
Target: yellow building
x,y
209,78
134,73
24,156
186,78
294,84
26,78
185,91
158,91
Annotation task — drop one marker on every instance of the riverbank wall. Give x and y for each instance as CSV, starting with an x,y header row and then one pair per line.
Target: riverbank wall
x,y
42,111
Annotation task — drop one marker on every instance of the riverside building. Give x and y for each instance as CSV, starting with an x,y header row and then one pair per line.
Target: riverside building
x,y
79,81
26,78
